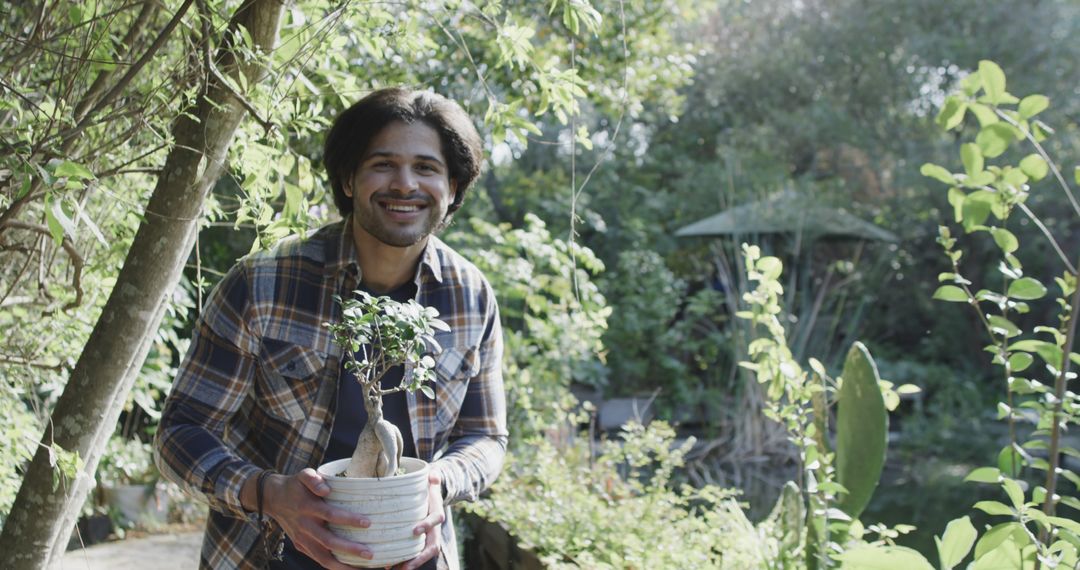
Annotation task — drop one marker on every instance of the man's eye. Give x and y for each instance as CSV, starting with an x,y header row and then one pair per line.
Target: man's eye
x,y
425,168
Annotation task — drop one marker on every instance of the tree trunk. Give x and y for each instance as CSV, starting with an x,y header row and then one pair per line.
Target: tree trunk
x,y
37,528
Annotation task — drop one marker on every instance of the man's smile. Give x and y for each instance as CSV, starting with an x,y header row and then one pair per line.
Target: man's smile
x,y
402,211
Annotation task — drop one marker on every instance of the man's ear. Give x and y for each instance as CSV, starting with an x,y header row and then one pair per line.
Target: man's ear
x,y
453,190
347,188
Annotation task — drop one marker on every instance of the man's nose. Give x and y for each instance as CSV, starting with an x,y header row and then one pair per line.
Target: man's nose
x,y
404,180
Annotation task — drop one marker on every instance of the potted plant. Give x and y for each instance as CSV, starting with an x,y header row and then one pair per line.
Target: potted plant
x,y
377,334
128,482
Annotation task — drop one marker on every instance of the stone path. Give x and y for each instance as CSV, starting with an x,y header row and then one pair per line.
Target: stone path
x,y
177,551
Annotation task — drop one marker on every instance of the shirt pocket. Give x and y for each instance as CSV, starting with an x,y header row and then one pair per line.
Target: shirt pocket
x,y
289,379
453,369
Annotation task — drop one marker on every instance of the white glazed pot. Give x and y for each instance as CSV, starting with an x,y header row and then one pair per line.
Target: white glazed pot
x,y
394,505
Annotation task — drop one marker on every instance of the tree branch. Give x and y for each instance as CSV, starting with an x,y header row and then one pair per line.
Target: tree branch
x,y
129,76
77,261
58,367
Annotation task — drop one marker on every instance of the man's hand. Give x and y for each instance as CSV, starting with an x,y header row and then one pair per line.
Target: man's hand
x,y
296,503
431,526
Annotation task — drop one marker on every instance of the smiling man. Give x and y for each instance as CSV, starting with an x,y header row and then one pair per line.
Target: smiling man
x,y
262,397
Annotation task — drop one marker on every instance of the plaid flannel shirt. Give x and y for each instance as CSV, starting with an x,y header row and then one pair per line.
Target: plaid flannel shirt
x,y
259,384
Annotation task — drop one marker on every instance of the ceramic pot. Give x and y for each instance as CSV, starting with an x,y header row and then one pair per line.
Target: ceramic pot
x,y
395,505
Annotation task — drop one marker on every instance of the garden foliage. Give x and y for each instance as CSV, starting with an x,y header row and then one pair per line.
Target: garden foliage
x,y
553,317
620,507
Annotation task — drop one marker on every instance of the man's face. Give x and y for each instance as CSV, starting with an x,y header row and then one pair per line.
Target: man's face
x,y
401,190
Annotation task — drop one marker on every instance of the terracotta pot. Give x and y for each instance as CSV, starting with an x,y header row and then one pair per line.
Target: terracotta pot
x,y
395,505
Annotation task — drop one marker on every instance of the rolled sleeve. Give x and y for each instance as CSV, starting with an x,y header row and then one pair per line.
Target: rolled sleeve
x,y
477,443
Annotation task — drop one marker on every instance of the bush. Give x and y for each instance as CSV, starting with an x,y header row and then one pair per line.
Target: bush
x,y
127,462
553,316
618,509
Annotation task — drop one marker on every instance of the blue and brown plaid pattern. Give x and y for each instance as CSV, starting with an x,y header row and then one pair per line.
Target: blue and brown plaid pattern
x,y
258,386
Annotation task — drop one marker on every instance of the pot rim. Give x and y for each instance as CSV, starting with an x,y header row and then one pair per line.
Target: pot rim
x,y
414,469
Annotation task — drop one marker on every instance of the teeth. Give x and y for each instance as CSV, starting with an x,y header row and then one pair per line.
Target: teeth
x,y
402,207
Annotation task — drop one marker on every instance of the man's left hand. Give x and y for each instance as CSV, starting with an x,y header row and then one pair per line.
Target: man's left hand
x,y
431,526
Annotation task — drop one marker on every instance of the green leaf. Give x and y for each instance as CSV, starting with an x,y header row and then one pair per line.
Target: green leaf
x,y
55,229
956,198
984,178
972,158
68,169
1035,167
957,541
1032,105
976,210
1026,289
1005,556
951,293
993,80
57,219
952,113
1003,326
1005,239
1040,130
939,173
993,508
984,475
1076,174
883,558
861,431
970,84
994,139
1020,361
770,266
1071,502
1065,523
427,391
984,114
997,534
1015,493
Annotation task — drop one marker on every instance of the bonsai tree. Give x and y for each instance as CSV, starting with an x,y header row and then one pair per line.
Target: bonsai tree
x,y
377,334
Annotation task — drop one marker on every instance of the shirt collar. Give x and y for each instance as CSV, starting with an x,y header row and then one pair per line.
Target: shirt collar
x,y
431,260
341,254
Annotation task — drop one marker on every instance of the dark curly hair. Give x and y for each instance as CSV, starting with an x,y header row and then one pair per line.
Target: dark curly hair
x,y
354,128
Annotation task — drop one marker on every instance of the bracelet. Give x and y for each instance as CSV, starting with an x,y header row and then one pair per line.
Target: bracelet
x,y
260,484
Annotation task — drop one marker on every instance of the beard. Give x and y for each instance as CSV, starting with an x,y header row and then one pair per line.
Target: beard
x,y
372,218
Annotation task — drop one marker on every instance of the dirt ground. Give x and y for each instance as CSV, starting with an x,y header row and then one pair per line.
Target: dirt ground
x,y
174,551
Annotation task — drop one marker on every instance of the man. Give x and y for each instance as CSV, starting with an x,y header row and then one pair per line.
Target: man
x,y
262,396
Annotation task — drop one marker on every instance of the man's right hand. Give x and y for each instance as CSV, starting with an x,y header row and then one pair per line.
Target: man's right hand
x,y
296,503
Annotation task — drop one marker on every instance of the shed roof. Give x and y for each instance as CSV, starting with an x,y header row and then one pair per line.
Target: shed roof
x,y
786,212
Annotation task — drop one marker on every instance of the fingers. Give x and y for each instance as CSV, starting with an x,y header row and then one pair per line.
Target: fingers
x,y
303,515
430,525
431,550
341,517
436,514
317,542
433,521
330,541
313,481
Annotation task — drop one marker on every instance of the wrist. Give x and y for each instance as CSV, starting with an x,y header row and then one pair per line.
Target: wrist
x,y
259,483
260,493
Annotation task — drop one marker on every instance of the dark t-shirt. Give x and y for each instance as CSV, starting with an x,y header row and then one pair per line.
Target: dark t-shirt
x,y
349,420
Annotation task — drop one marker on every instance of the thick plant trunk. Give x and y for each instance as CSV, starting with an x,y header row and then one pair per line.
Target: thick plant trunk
x,y
38,526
